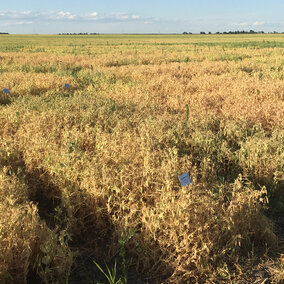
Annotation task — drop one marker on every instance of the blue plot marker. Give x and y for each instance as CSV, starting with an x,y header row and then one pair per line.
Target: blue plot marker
x,y
67,86
184,179
6,91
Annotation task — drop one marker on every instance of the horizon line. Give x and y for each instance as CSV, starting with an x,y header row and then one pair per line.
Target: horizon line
x,y
154,33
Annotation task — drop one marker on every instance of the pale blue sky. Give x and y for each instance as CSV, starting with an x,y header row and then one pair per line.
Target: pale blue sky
x,y
125,16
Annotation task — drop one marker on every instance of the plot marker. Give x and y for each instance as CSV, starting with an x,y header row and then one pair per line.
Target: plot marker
x,y
6,91
184,179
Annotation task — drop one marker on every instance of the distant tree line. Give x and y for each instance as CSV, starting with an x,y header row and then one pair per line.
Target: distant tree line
x,y
78,33
233,32
4,33
242,32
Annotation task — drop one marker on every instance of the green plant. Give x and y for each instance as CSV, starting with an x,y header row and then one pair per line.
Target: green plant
x,y
187,112
110,275
18,119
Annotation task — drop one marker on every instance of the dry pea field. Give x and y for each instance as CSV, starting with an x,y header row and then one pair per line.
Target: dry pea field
x,y
89,188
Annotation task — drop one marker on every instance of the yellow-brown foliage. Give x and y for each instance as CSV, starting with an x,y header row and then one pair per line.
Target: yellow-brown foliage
x,y
26,243
92,172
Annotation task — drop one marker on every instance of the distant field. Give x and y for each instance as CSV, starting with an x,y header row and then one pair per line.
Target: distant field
x,y
89,174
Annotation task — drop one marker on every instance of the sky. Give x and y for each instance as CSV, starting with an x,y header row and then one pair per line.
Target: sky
x,y
147,16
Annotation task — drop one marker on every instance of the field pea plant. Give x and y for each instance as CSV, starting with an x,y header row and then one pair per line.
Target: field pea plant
x,y
89,188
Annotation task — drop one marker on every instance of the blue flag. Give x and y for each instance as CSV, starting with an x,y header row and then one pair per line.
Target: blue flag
x,y
67,86
6,91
